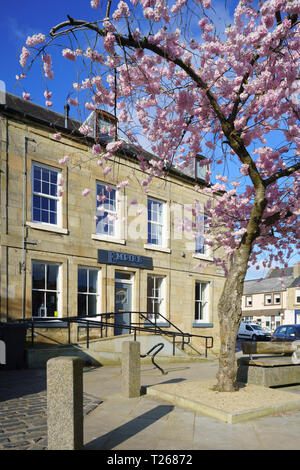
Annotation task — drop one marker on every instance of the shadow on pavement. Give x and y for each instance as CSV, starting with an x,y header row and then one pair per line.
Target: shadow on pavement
x,y
113,438
19,383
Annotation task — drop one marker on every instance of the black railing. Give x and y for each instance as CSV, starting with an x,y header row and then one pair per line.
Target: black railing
x,y
145,323
158,347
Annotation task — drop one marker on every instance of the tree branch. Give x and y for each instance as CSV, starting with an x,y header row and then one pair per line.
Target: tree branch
x,y
281,174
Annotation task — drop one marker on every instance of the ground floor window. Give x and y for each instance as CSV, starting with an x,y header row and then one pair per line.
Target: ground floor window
x,y
155,297
45,289
201,301
88,292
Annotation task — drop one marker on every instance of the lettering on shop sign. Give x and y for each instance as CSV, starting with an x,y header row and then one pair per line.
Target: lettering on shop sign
x,y
124,259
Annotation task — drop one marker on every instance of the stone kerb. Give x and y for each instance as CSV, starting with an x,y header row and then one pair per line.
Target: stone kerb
x,y
65,403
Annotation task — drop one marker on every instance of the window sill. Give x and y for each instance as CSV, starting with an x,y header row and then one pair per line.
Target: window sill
x,y
203,257
147,246
104,238
48,228
202,325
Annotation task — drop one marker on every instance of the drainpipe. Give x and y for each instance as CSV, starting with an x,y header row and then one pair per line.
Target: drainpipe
x,y
23,266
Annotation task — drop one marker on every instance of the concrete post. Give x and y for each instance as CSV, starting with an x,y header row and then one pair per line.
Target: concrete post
x,y
65,403
131,369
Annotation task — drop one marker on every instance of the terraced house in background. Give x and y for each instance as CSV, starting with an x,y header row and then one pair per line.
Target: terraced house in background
x,y
69,255
273,300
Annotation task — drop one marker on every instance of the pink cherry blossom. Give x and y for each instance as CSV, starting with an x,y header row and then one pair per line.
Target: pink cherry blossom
x,y
24,56
86,191
35,39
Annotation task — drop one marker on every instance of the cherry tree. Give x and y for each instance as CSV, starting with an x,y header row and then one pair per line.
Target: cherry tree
x,y
166,70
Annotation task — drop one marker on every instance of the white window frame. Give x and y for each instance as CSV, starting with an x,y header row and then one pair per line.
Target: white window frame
x,y
96,294
274,299
202,301
45,290
297,296
110,213
157,223
267,296
161,297
46,196
249,301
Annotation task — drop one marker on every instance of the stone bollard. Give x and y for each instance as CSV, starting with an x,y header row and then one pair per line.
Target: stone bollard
x,y
131,369
65,403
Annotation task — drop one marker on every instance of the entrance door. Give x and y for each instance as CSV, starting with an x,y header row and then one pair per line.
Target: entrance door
x,y
123,306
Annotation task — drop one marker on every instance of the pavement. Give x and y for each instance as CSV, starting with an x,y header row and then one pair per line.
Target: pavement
x,y
113,422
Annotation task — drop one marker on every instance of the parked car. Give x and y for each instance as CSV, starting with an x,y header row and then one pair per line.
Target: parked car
x,y
253,332
286,333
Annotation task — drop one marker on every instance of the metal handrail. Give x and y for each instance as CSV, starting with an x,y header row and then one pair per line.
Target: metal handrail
x,y
160,346
132,327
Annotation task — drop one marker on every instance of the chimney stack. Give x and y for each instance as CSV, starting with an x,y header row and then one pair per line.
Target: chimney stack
x,y
296,270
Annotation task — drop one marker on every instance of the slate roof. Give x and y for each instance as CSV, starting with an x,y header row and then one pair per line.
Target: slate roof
x,y
268,284
42,115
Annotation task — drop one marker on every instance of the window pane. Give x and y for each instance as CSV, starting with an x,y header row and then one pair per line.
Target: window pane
x,y
53,177
51,299
45,188
38,276
37,172
36,202
52,275
82,280
38,306
82,305
53,218
37,186
150,286
45,216
93,275
92,305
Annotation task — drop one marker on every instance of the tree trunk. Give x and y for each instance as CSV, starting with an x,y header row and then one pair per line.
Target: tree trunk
x,y
230,312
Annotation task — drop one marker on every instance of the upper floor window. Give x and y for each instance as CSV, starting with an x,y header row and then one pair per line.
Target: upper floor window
x,y
201,246
248,300
106,210
103,124
155,222
277,299
268,299
45,201
298,296
200,169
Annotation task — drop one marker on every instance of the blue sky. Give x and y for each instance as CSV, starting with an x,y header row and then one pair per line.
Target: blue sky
x,y
23,18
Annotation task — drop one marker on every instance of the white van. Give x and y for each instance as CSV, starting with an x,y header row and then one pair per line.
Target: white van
x,y
253,332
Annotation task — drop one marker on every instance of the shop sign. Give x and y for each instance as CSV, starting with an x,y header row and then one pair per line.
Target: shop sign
x,y
124,259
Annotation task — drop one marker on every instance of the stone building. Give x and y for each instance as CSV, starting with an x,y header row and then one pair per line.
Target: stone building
x,y
64,256
273,300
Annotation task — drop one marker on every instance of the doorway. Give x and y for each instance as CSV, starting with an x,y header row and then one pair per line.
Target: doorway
x,y
123,302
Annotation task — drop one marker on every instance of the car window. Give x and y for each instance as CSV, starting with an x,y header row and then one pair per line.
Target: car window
x,y
248,327
290,331
256,327
280,330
